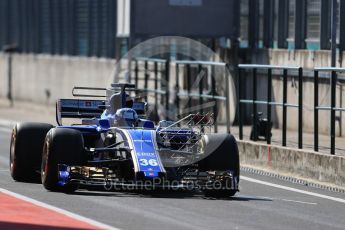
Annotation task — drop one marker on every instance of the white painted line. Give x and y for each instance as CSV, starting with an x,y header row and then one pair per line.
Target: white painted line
x,y
293,189
297,201
274,199
59,210
286,200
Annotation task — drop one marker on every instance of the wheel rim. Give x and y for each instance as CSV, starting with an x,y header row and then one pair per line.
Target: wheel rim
x,y
12,151
44,167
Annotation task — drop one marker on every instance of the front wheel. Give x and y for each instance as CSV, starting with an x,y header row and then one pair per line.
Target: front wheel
x,y
223,157
61,146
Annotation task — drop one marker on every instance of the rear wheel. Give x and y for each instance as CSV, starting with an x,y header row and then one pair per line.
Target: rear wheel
x,y
224,157
27,141
62,146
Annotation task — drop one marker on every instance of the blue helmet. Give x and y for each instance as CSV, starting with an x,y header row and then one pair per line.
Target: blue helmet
x,y
126,117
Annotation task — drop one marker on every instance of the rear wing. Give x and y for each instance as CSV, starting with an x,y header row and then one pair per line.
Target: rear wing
x,y
78,108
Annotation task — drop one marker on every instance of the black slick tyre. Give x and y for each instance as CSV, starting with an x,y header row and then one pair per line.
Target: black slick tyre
x,y
26,147
61,146
224,156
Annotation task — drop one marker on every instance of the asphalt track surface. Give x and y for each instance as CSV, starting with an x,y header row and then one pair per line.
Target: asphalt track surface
x,y
262,203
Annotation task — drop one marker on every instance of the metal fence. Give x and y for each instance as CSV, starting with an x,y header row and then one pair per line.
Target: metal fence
x,y
246,71
161,76
202,87
332,108
158,72
192,91
268,102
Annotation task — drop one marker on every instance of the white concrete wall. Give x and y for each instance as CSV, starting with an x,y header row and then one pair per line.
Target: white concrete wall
x,y
308,104
308,60
3,75
34,74
304,58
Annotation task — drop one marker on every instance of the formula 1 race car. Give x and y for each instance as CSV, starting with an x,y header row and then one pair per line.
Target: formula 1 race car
x,y
116,146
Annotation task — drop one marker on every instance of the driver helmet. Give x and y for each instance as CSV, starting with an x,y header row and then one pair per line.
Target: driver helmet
x,y
126,117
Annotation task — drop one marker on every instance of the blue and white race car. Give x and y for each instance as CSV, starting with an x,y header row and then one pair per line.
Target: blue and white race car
x,y
117,147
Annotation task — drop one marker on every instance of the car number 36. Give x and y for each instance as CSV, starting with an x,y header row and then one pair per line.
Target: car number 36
x,y
151,162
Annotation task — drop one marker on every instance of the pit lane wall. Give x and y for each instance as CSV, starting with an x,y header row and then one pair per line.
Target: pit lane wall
x,y
303,164
45,78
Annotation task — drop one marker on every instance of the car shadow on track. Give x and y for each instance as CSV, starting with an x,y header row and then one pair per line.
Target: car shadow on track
x,y
166,195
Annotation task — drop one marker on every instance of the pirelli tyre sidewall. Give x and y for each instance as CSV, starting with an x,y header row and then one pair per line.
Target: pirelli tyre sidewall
x,y
26,146
61,146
